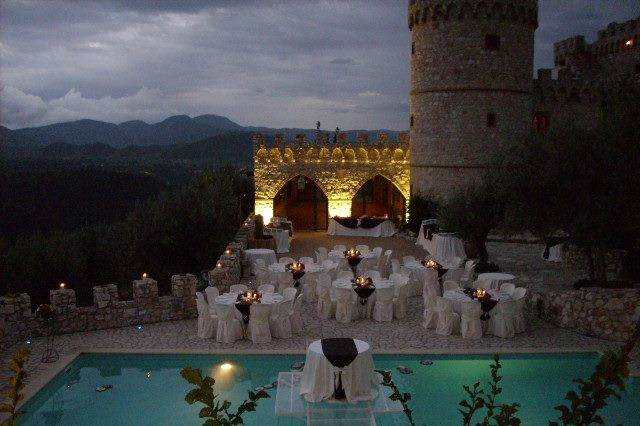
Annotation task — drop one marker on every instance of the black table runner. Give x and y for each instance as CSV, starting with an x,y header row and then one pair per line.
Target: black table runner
x,y
339,351
370,222
364,292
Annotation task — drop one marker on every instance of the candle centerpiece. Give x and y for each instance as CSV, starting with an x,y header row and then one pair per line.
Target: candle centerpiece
x,y
297,272
354,257
363,286
244,302
433,264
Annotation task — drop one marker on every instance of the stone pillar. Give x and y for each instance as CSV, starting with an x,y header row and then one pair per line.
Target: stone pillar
x,y
145,296
15,318
63,300
183,288
105,295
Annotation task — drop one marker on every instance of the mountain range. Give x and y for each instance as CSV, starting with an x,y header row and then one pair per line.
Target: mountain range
x,y
178,129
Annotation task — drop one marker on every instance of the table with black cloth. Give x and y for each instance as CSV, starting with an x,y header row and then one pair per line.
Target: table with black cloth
x,y
345,360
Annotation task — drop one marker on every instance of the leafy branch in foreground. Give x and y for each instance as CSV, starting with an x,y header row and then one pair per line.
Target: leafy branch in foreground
x,y
217,413
501,414
16,385
396,395
607,381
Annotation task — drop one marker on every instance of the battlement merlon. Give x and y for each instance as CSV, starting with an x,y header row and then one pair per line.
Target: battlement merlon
x,y
422,11
324,138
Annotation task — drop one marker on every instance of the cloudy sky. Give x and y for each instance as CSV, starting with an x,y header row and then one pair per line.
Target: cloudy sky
x,y
260,62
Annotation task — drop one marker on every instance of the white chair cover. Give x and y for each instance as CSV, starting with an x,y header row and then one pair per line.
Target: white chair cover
x,y
322,254
467,276
377,251
431,285
385,262
508,288
345,274
324,306
284,281
206,324
395,265
448,321
345,304
307,260
400,302
339,248
431,311
383,309
295,315
501,322
450,285
266,288
212,292
519,320
470,323
289,294
238,288
279,323
261,272
229,328
285,260
259,323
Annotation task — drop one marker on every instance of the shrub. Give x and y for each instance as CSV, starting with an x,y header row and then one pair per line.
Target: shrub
x,y
421,208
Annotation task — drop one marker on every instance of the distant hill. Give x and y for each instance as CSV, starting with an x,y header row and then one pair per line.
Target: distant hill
x,y
178,129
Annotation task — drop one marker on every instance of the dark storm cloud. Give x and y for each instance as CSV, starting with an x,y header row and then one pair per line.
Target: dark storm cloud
x,y
261,62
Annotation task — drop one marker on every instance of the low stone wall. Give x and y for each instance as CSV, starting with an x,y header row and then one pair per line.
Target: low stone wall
x,y
610,314
18,321
576,258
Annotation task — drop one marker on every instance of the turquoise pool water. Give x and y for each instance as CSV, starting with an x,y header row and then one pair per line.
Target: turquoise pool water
x,y
148,389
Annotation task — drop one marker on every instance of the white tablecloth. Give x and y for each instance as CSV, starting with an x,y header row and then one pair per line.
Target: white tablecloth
x,y
369,260
555,253
445,248
492,280
359,381
457,297
282,239
346,283
385,229
267,298
268,255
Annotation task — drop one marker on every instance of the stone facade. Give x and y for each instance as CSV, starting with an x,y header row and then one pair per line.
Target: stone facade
x,y
604,313
339,169
471,86
584,74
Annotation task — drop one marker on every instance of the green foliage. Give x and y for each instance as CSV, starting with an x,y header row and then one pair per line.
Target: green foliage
x,y
583,183
421,208
478,398
606,382
15,388
216,412
396,395
183,231
472,212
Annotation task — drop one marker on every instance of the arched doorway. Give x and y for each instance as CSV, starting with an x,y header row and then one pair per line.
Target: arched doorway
x,y
379,197
302,202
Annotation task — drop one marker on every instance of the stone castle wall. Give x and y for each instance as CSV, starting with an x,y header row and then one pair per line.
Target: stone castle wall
x,y
339,169
18,321
456,83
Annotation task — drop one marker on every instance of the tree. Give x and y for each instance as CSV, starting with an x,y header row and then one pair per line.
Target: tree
x,y
472,212
583,183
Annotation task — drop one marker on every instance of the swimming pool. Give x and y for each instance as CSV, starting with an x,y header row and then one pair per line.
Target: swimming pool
x,y
148,389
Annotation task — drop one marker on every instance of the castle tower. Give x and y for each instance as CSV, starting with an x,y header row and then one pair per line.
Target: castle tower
x,y
471,86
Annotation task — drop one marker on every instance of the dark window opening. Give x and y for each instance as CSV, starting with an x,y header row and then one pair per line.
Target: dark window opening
x,y
413,48
540,122
411,121
491,119
492,42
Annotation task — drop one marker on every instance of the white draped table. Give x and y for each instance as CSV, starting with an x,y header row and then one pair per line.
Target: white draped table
x,y
346,283
319,376
369,260
278,273
446,249
385,229
457,298
493,280
268,255
281,236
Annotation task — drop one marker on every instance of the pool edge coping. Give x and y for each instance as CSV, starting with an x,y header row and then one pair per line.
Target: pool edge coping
x,y
33,387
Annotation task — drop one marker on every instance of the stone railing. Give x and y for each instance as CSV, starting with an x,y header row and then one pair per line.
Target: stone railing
x,y
610,314
18,321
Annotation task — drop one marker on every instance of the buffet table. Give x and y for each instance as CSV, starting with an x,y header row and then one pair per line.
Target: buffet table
x,y
353,368
384,229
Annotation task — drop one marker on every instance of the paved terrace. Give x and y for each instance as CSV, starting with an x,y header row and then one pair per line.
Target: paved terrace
x,y
395,337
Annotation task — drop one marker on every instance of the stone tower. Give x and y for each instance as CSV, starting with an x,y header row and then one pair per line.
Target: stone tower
x,y
471,86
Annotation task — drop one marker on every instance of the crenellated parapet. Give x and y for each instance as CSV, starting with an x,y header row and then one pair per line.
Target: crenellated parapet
x,y
300,150
567,91
517,11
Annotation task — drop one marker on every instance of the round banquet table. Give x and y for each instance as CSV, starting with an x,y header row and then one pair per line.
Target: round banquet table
x,y
457,297
268,255
267,298
346,283
369,260
278,273
359,380
492,280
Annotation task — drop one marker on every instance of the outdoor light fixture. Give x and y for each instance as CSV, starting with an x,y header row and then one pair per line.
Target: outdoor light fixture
x,y
144,275
629,42
62,286
219,265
